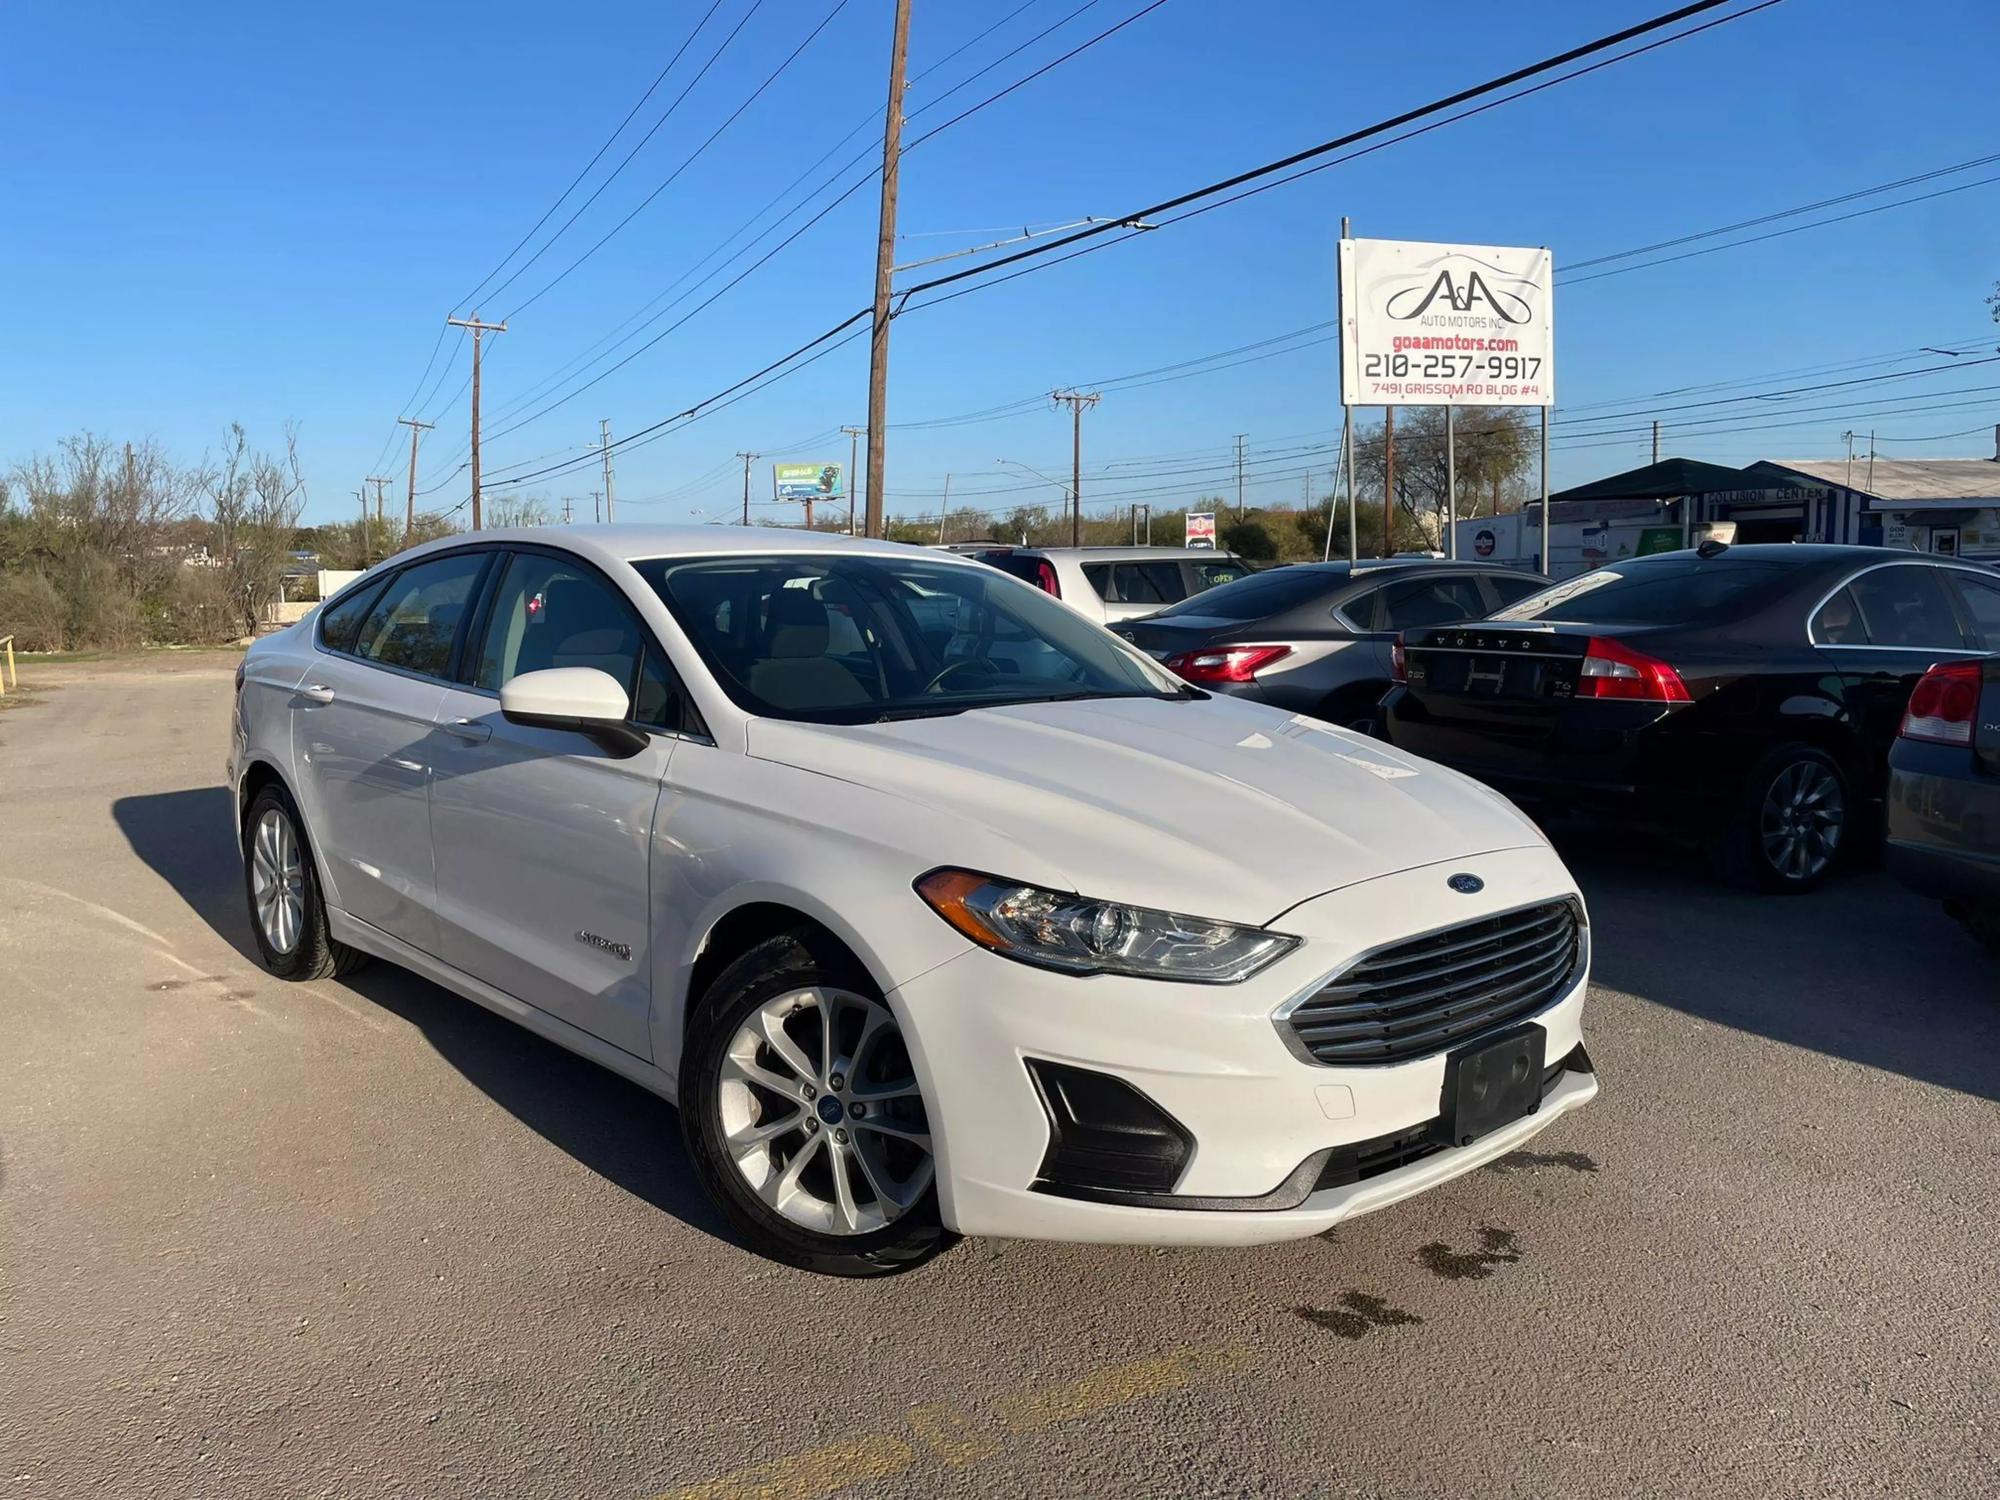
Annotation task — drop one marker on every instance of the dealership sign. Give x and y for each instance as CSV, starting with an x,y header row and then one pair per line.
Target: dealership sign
x,y
1201,528
807,481
1445,325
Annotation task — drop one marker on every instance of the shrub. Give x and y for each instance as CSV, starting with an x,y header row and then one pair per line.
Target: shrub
x,y
32,611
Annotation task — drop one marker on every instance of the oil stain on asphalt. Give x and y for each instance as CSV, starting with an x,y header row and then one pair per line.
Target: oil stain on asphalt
x,y
1497,1247
1529,1161
1358,1312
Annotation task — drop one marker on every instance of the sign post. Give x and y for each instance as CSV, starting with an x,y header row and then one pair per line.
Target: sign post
x,y
1201,528
1447,325
808,483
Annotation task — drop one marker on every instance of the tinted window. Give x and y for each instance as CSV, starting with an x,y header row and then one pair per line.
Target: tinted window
x,y
1210,575
1513,590
1021,565
1838,622
1666,591
1098,576
855,639
416,620
338,622
1428,601
1982,604
1147,583
1260,595
1906,606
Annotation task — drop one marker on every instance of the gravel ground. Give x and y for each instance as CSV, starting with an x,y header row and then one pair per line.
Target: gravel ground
x,y
365,1238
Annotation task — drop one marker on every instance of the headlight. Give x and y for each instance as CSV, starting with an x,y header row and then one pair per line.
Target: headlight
x,y
1059,931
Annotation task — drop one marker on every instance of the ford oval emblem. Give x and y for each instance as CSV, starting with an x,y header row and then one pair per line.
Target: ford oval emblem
x,y
1466,885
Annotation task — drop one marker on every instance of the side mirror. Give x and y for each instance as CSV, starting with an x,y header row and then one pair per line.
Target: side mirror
x,y
581,699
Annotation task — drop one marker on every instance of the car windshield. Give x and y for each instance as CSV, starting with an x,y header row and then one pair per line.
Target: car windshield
x,y
860,639
1665,591
1260,595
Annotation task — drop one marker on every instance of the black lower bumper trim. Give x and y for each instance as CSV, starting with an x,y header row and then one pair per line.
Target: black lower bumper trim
x,y
1335,1166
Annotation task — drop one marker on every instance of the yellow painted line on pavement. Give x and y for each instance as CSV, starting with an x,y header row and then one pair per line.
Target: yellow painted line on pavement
x,y
956,1438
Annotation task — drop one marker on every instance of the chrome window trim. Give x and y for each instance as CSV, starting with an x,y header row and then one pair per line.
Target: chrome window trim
x,y
1943,565
1281,1017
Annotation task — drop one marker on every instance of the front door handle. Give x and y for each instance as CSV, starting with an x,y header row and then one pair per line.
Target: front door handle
x,y
317,692
469,730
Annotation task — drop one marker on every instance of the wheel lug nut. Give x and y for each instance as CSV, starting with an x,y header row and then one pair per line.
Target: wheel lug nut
x,y
812,1124
857,1109
836,1082
840,1136
807,1091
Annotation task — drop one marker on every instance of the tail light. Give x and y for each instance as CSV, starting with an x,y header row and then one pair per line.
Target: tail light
x,y
1045,577
1942,706
1225,663
1612,669
1399,664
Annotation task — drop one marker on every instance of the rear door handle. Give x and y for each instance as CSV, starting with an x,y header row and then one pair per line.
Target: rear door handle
x,y
317,693
470,731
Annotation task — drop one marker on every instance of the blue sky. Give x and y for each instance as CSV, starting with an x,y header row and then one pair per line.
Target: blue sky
x,y
264,213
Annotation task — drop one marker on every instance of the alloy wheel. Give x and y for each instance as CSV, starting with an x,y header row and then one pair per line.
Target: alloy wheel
x,y
820,1111
1801,820
278,881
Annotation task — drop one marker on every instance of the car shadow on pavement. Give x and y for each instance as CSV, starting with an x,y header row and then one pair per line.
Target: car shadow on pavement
x,y
622,1132
1861,969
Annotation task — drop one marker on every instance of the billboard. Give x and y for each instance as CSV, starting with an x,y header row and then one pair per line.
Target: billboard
x,y
1200,528
1445,325
807,481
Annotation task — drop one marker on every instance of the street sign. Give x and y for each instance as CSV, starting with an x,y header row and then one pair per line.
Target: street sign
x,y
808,481
1201,528
1445,325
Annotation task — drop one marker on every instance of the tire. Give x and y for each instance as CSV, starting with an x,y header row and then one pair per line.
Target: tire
x,y
1358,708
1792,823
297,948
735,1088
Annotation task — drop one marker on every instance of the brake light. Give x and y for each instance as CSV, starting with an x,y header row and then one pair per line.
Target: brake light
x,y
1942,706
1399,665
1225,663
1612,669
1045,577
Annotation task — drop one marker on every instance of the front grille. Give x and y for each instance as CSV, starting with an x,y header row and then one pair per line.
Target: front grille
x,y
1422,996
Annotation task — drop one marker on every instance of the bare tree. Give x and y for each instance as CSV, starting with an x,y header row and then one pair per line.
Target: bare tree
x,y
254,499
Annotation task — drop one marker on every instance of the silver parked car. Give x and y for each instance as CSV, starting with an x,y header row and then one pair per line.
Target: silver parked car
x,y
1115,583
1317,638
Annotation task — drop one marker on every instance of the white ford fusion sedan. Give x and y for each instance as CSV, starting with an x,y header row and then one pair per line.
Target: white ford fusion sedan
x,y
935,908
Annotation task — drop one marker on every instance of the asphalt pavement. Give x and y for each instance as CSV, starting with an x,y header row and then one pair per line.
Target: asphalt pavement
x,y
364,1238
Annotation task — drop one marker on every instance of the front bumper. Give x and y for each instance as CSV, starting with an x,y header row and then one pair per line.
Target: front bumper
x,y
1213,1058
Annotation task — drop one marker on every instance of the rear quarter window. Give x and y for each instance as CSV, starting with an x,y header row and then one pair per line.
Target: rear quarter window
x,y
339,620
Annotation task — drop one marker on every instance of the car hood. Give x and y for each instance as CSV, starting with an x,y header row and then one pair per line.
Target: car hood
x,y
1221,808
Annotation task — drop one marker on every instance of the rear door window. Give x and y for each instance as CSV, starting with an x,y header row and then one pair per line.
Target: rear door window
x,y
1982,607
1906,606
1147,583
415,622
1428,600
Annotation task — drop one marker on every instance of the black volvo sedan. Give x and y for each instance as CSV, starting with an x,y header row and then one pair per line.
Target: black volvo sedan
x,y
1745,696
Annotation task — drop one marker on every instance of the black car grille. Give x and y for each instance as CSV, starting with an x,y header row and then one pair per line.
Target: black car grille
x,y
1432,992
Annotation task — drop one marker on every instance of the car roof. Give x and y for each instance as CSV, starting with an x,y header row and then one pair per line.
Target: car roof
x,y
1119,554
623,542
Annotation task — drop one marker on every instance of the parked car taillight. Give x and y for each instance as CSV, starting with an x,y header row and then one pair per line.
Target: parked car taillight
x,y
1614,670
1399,664
1045,577
1225,663
1942,706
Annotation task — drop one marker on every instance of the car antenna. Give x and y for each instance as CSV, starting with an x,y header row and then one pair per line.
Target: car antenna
x,y
1710,547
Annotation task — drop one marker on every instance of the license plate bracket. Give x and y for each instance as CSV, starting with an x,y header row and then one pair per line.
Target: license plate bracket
x,y
1491,1085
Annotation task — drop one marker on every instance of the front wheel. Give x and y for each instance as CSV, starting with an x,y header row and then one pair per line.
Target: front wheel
x,y
1789,823
802,1113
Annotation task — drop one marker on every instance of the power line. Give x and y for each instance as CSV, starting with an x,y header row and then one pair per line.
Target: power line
x,y
549,212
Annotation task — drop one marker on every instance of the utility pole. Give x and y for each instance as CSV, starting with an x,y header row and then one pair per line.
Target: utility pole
x,y
1388,481
1656,440
1077,402
362,494
410,515
885,251
604,444
380,524
1239,474
1871,460
853,446
1451,482
566,514
944,508
597,505
478,328
749,459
